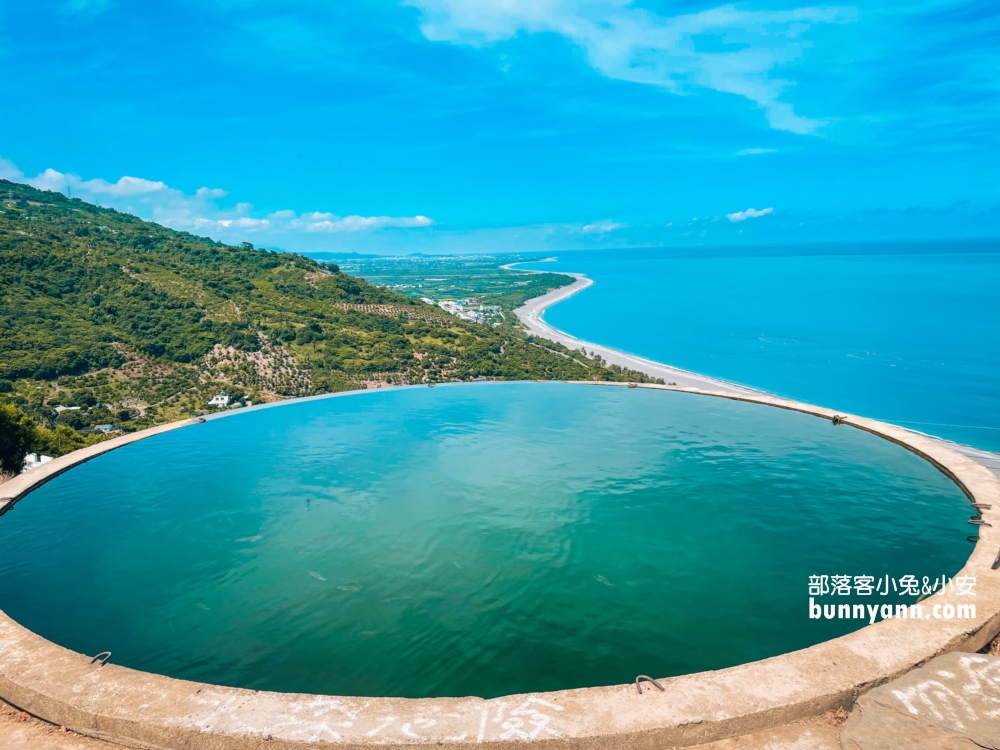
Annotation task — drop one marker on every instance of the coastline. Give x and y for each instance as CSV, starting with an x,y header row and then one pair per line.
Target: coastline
x,y
530,314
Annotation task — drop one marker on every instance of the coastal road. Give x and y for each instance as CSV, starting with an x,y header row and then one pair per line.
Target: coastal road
x,y
530,314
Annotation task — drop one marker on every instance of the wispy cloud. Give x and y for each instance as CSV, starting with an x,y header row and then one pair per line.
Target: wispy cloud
x,y
602,227
756,151
201,213
327,222
726,48
750,213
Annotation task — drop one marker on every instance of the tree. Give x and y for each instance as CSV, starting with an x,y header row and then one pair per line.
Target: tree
x,y
17,434
70,419
61,440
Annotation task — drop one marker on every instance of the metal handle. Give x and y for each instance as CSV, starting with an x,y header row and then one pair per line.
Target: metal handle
x,y
647,678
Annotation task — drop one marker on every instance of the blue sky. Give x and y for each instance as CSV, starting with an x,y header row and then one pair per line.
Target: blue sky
x,y
492,125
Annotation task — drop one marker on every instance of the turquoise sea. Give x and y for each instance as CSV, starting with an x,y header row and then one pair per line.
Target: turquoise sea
x,y
907,333
476,539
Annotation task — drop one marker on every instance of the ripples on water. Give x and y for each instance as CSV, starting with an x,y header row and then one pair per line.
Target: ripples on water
x,y
479,540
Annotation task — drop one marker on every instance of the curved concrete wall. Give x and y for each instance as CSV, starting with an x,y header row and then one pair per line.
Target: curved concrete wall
x,y
151,711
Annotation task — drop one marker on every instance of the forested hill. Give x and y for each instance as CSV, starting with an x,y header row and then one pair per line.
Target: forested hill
x,y
100,307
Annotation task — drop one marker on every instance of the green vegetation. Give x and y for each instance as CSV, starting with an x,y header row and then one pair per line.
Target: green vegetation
x,y
455,278
137,324
16,436
20,435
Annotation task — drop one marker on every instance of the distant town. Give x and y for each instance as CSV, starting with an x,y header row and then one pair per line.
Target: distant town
x,y
470,309
479,289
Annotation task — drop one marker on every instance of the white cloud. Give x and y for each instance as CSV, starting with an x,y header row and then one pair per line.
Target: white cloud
x,y
9,171
244,222
750,213
201,213
602,227
126,186
756,151
326,222
633,44
313,217
51,179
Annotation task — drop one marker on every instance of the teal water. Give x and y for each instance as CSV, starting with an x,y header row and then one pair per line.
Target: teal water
x,y
906,333
470,539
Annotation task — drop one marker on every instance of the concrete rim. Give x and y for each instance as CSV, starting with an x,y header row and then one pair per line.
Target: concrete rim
x,y
152,711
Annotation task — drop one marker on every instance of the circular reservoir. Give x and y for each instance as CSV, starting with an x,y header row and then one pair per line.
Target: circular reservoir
x,y
472,540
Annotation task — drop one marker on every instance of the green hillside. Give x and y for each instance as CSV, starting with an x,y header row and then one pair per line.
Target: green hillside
x,y
138,324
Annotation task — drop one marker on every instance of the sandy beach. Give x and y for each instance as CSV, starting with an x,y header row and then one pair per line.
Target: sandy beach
x,y
530,314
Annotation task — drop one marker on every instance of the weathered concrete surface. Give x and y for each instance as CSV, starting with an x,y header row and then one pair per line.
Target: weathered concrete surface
x,y
20,731
953,702
819,733
144,710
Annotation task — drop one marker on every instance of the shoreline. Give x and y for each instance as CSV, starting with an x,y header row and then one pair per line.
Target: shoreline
x,y
530,314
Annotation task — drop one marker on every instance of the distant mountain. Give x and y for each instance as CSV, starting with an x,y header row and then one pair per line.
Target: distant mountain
x,y
138,324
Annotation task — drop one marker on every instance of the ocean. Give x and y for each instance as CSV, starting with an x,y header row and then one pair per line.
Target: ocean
x,y
906,333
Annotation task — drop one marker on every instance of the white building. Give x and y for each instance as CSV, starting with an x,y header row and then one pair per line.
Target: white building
x,y
61,409
220,400
33,461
